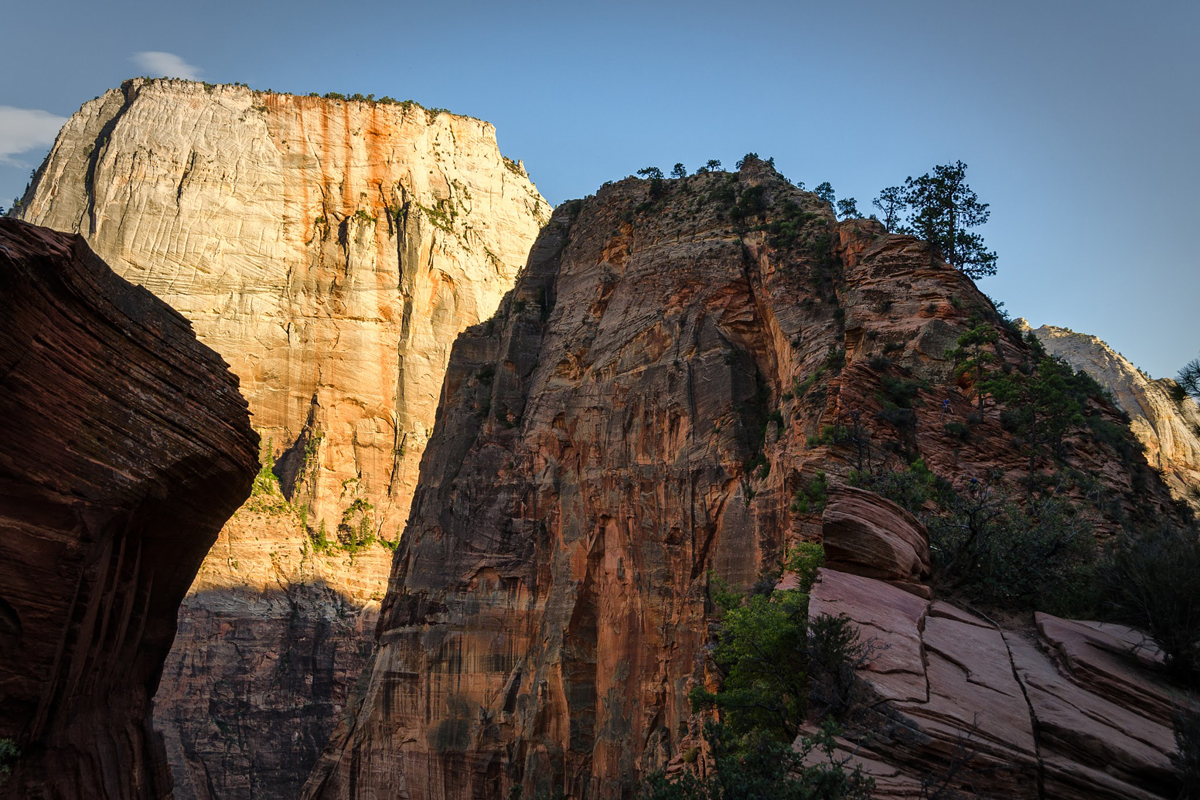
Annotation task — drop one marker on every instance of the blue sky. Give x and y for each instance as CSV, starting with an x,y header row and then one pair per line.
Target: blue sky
x,y
1079,120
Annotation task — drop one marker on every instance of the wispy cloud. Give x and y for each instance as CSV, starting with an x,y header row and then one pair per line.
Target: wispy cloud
x,y
23,129
165,65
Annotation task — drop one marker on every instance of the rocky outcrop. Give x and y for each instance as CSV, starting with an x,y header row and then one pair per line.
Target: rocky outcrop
x,y
652,406
126,447
330,250
1060,709
1168,429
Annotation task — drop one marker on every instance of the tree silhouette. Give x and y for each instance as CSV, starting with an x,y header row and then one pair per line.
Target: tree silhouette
x,y
891,203
1189,378
943,208
679,171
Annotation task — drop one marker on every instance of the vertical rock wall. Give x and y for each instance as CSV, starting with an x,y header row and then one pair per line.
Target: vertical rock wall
x,y
126,447
677,360
331,251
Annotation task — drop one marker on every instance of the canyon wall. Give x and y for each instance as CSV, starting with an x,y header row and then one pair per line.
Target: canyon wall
x,y
1168,429
678,360
331,250
126,447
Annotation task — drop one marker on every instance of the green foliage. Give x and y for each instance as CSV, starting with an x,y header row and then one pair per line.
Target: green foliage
x,y
679,171
1044,405
761,652
804,559
356,531
830,434
653,173
751,203
757,767
848,209
712,165
9,753
1185,720
944,207
320,539
972,355
910,488
825,192
812,497
266,497
891,202
903,392
1189,378
1148,580
992,551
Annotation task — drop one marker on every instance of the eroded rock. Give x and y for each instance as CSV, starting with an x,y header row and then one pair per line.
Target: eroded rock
x,y
126,447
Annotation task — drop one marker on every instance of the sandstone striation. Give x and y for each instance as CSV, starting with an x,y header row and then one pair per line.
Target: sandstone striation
x,y
127,445
1168,429
330,250
676,365
1058,711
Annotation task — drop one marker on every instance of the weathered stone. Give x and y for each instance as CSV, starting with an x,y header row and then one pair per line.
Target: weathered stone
x,y
651,406
867,535
331,251
1168,429
126,447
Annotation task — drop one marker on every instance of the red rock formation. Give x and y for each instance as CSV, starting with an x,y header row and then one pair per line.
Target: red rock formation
x,y
126,447
638,416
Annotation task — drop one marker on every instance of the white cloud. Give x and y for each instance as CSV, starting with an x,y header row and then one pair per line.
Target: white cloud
x,y
23,129
165,65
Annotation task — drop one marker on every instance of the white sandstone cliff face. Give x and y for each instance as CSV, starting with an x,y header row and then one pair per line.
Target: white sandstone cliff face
x,y
330,251
1170,431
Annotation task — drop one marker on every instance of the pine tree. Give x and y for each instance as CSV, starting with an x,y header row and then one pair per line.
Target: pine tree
x,y
944,207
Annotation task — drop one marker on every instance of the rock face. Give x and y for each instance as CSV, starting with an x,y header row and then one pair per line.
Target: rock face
x,y
126,447
1059,710
1169,430
331,251
675,364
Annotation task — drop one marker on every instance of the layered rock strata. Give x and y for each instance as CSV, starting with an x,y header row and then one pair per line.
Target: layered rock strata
x,y
126,447
330,250
963,706
1169,429
648,407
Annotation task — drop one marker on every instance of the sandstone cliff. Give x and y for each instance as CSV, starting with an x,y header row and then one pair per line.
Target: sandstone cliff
x,y
126,447
331,251
677,360
1168,429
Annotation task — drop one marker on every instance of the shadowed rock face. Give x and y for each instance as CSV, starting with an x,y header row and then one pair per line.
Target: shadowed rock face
x,y
331,251
637,417
1168,429
126,447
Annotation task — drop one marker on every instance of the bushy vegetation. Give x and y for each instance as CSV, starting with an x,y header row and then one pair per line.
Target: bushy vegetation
x,y
1148,580
776,669
9,753
1185,720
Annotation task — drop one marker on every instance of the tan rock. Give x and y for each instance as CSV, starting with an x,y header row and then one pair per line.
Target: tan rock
x,y
1169,430
331,251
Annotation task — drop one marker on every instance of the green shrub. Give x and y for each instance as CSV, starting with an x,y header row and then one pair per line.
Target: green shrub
x,y
992,551
812,497
910,488
1148,580
804,559
1185,720
9,753
757,767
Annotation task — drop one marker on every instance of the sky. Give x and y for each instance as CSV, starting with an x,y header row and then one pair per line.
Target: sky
x,y
1078,120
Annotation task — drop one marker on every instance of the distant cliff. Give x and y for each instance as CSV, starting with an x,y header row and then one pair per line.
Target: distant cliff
x,y
126,446
331,251
677,366
1167,428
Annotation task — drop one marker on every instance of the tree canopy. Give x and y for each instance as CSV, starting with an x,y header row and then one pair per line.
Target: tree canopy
x,y
943,208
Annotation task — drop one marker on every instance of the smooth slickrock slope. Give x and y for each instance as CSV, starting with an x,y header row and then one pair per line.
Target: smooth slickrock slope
x,y
958,705
1169,430
126,446
637,417
331,251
